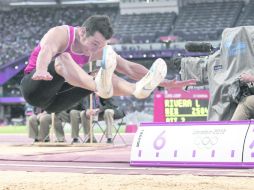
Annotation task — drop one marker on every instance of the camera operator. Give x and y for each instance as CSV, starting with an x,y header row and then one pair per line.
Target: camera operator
x,y
221,69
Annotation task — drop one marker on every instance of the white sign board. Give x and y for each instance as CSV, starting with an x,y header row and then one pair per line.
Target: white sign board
x,y
194,144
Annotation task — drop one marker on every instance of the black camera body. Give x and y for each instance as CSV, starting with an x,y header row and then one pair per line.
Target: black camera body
x,y
239,90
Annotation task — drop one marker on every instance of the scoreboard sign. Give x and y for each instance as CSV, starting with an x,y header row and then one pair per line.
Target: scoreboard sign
x,y
185,110
180,106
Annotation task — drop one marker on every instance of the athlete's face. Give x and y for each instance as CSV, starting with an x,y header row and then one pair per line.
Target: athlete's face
x,y
92,43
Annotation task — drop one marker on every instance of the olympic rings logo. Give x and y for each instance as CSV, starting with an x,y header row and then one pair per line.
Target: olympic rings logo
x,y
206,141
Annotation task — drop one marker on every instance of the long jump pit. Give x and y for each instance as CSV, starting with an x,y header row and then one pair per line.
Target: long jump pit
x,y
102,166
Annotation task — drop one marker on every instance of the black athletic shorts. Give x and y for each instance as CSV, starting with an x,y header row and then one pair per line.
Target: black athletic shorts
x,y
53,96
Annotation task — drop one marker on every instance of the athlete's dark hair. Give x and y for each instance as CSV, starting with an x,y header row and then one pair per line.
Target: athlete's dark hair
x,y
98,23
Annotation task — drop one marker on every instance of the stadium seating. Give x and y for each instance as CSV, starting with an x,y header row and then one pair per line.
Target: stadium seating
x,y
143,28
22,28
206,21
246,18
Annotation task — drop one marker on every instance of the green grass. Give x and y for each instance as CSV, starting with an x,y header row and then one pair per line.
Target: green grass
x,y
13,129
23,130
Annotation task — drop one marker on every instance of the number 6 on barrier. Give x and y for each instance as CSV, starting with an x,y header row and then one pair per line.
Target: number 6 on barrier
x,y
159,141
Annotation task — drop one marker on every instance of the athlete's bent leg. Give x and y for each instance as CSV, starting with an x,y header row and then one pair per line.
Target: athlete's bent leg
x,y
41,93
73,73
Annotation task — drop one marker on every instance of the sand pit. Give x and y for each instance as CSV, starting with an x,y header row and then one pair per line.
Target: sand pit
x,y
15,180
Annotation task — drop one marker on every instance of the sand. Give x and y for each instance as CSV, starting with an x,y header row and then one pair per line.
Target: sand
x,y
20,180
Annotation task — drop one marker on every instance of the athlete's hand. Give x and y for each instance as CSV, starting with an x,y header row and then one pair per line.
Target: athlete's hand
x,y
42,75
181,84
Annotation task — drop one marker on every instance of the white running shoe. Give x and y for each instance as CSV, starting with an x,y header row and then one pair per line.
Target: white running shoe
x,y
151,80
103,79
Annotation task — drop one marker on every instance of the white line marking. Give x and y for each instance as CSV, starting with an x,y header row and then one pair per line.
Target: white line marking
x,y
122,168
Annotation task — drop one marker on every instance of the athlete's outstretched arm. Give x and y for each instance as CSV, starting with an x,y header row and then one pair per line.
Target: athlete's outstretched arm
x,y
131,69
53,42
137,71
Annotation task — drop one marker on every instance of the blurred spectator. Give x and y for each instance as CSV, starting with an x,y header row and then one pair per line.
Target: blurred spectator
x,y
107,110
76,116
39,124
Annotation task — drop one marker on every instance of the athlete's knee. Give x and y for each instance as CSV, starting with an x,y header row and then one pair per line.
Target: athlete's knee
x,y
59,67
61,61
64,58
